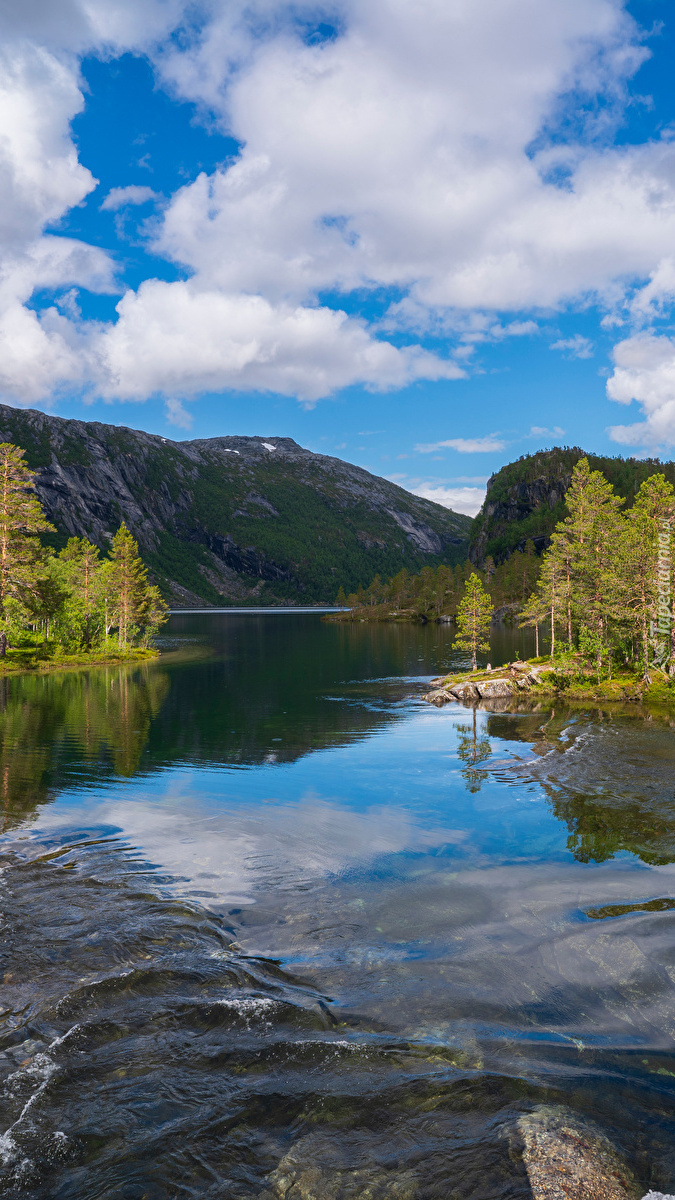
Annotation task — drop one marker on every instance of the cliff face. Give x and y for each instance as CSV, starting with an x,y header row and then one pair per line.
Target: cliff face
x,y
232,519
526,499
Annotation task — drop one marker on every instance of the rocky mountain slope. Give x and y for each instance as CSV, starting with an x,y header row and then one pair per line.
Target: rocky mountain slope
x,y
526,499
232,519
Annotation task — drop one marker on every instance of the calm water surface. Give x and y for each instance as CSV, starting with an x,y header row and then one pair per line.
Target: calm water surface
x,y
272,926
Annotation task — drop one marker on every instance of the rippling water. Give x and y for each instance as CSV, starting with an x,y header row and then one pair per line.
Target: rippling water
x,y
274,927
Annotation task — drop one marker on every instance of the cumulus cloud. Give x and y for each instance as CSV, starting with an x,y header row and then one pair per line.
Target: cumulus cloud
x,y
466,500
478,445
644,370
575,347
175,336
412,150
120,197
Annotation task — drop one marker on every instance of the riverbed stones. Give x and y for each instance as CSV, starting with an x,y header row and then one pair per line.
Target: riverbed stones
x,y
568,1158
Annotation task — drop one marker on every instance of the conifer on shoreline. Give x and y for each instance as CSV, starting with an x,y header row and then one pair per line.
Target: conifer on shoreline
x,y
474,616
75,599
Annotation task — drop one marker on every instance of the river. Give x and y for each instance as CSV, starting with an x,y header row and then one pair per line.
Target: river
x,y
273,926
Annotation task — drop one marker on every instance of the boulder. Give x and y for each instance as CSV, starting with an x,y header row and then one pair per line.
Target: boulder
x,y
568,1158
490,689
439,696
466,692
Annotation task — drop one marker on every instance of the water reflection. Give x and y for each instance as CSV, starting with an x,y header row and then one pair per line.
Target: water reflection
x,y
54,727
284,930
609,778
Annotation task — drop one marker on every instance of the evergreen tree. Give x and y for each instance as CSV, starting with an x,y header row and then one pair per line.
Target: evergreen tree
x,y
21,518
638,567
127,587
473,619
81,570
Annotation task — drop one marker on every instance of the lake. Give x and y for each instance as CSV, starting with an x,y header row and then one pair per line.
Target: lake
x,y
273,926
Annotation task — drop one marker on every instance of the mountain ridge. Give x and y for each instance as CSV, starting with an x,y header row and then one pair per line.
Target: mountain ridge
x,y
231,519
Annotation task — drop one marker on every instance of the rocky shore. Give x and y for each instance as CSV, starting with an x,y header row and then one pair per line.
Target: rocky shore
x,y
510,681
540,678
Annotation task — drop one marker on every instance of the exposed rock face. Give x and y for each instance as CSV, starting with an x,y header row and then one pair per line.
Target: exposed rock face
x,y
232,518
526,499
570,1159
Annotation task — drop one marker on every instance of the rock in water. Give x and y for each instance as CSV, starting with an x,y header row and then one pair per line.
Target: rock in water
x,y
569,1159
466,692
495,688
320,1167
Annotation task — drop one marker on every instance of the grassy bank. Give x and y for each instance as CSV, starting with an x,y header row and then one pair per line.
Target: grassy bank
x,y
33,655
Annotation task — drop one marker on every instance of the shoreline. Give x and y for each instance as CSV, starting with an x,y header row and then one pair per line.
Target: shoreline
x,y
26,666
542,677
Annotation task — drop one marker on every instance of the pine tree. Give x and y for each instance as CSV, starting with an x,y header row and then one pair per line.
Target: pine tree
x,y
341,599
473,619
127,586
81,570
582,559
21,518
639,561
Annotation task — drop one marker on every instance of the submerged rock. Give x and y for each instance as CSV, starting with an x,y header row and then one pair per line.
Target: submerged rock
x,y
570,1159
321,1167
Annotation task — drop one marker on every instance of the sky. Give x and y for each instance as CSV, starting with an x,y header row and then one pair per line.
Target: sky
x,y
427,238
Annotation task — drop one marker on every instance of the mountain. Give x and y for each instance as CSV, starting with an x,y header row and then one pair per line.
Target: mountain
x,y
244,520
526,499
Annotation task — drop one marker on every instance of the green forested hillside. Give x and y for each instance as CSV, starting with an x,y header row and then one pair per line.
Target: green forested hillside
x,y
231,520
526,498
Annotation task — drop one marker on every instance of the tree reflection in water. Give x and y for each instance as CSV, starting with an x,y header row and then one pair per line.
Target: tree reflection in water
x,y
53,726
473,749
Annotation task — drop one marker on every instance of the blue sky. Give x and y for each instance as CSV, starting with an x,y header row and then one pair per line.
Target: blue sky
x,y
426,241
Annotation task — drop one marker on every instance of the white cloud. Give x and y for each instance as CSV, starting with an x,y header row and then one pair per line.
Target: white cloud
x,y
575,347
644,370
539,431
175,336
466,500
120,197
177,414
399,154
478,445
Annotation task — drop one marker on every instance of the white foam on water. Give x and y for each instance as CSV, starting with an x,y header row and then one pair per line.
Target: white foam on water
x,y
659,1196
249,1004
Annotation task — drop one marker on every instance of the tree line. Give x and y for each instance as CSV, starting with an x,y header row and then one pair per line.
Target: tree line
x,y
75,599
606,581
603,588
438,591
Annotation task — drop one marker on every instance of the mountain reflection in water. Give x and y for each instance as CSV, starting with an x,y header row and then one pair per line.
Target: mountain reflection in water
x,y
273,928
